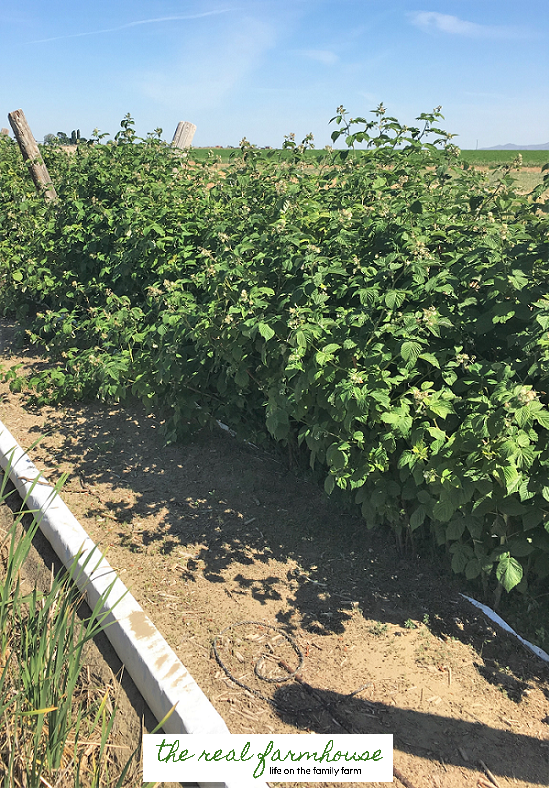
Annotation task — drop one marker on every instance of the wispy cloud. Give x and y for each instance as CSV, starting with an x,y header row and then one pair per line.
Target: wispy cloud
x,y
321,55
216,70
156,20
446,23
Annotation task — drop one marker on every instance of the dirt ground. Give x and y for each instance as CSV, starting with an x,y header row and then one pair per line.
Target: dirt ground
x,y
217,538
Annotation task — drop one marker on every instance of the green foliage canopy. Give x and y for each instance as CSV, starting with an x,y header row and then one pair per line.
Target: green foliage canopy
x,y
386,308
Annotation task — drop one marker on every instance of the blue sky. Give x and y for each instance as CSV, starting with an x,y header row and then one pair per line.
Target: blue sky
x,y
265,68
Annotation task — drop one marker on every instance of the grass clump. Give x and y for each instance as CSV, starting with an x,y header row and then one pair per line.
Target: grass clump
x,y
55,728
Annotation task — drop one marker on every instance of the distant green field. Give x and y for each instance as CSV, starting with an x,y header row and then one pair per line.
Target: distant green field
x,y
494,158
202,154
478,158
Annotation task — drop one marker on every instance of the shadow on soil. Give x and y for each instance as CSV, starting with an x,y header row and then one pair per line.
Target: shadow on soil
x,y
333,714
241,505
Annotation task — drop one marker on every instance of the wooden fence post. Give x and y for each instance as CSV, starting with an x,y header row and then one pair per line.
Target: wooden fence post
x,y
184,134
31,154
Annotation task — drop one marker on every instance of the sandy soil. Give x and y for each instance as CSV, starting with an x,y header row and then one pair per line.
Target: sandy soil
x,y
215,532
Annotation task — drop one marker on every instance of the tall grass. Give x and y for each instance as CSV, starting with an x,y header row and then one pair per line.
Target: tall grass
x,y
54,728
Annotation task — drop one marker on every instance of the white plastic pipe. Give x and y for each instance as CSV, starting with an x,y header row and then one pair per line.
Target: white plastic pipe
x,y
493,616
157,672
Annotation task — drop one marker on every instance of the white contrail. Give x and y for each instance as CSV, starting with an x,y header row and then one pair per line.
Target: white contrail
x,y
132,24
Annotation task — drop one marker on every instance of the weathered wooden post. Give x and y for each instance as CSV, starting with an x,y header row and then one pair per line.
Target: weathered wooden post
x,y
184,134
30,152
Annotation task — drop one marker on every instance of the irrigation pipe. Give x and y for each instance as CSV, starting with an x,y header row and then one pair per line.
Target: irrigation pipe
x,y
493,616
159,675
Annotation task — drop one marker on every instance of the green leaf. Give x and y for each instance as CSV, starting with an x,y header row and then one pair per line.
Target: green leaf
x,y
394,298
462,554
401,422
455,529
407,458
524,491
523,439
542,417
410,351
509,572
512,478
443,510
154,227
511,506
531,518
329,484
278,425
417,517
475,202
336,456
17,276
242,378
440,408
431,359
449,377
266,331
331,348
520,546
437,433
473,568
524,415
367,296
322,358
518,279
424,497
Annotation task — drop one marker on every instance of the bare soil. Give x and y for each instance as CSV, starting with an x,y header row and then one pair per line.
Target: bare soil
x,y
214,532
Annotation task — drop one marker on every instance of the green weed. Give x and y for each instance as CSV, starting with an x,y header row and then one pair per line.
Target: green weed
x,y
378,629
